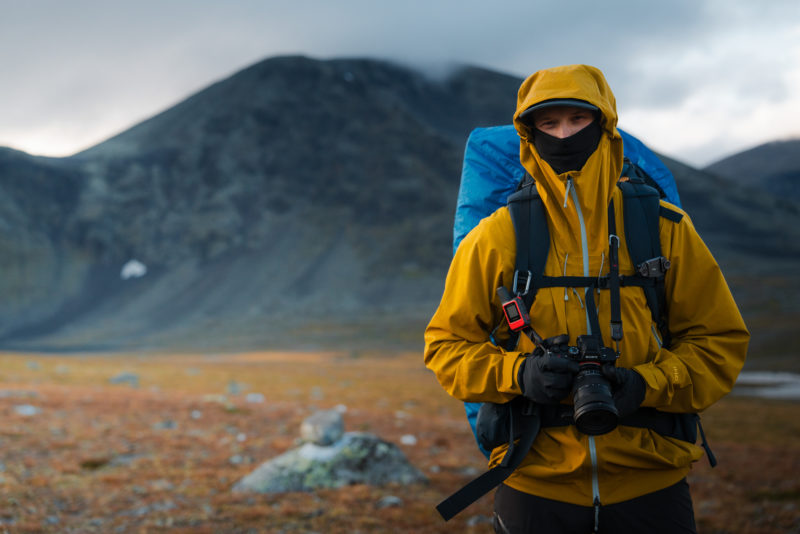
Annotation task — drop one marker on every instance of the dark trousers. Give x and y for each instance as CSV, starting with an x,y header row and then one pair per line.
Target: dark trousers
x,y
665,511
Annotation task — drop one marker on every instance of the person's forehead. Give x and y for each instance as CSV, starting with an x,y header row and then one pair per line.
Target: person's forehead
x,y
559,111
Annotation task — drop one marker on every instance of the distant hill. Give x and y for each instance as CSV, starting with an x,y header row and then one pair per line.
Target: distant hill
x,y
292,192
774,166
298,203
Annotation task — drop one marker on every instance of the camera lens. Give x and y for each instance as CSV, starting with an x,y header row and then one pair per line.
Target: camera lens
x,y
594,412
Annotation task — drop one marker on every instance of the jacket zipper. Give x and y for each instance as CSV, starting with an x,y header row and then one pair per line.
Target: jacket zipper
x,y
584,255
584,243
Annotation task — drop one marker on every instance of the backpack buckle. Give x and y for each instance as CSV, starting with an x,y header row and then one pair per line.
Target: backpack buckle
x,y
653,268
527,280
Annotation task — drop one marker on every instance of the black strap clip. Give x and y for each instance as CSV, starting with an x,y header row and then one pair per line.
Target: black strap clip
x,y
654,267
616,331
525,279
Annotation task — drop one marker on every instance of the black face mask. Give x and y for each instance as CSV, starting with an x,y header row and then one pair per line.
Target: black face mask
x,y
570,153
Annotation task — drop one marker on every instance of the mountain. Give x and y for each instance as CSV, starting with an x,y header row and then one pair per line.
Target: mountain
x,y
774,167
294,191
298,203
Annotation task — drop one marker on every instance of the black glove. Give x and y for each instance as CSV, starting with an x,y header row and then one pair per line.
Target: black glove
x,y
547,378
628,388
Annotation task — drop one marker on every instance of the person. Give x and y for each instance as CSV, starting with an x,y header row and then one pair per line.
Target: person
x,y
631,479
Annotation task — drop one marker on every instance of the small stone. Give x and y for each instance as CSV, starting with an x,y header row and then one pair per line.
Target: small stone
x,y
408,439
477,520
167,424
131,379
390,501
255,398
234,388
322,428
468,471
26,410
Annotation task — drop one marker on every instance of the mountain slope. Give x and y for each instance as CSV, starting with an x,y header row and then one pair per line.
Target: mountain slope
x,y
312,186
775,167
299,203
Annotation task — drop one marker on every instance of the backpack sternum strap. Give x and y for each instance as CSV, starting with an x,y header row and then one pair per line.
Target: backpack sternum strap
x,y
641,214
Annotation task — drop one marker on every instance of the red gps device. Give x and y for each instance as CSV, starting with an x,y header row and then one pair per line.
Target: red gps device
x,y
515,313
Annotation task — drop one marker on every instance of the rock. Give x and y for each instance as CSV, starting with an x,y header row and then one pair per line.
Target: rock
x,y
26,410
235,388
255,398
357,458
125,378
19,394
408,439
166,424
390,501
477,520
322,428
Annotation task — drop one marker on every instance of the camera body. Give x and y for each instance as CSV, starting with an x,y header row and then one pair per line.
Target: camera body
x,y
594,411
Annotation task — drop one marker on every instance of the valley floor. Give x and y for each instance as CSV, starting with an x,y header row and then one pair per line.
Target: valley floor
x,y
154,442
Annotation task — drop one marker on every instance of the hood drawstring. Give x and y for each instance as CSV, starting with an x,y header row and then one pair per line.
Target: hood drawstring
x,y
566,289
566,191
580,301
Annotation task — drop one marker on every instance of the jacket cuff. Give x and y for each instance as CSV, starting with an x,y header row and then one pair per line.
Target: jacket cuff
x,y
516,388
655,382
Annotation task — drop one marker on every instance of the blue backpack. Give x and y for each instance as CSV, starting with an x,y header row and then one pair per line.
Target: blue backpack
x,y
492,172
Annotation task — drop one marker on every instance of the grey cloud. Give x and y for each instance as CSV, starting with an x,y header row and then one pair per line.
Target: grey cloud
x,y
74,61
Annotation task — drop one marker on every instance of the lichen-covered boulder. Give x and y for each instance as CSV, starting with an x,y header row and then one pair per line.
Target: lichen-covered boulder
x,y
356,458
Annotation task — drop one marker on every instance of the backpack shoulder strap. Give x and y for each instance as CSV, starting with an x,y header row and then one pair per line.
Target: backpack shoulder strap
x,y
641,213
641,208
532,237
533,244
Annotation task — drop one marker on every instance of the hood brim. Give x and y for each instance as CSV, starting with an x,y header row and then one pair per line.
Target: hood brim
x,y
572,102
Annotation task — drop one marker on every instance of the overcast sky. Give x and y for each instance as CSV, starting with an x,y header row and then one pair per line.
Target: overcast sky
x,y
696,79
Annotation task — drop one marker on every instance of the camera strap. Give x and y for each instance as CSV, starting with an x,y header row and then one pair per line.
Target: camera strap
x,y
613,277
530,421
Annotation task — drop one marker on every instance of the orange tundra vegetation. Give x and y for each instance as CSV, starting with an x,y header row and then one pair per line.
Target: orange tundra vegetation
x,y
154,442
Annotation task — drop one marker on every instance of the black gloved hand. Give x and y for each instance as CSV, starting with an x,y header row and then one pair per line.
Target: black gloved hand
x,y
547,378
628,388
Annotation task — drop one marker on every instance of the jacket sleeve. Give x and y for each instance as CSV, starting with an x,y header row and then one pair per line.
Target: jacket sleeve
x,y
457,340
709,337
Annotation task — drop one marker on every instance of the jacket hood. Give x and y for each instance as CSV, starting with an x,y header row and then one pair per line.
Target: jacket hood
x,y
594,183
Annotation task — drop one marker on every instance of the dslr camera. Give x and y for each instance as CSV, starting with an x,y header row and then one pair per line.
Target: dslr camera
x,y
594,411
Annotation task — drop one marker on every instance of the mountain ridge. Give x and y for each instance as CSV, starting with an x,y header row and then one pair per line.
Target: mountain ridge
x,y
773,167
296,203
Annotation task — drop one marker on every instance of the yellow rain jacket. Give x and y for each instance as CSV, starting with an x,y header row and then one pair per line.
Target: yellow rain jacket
x,y
709,337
